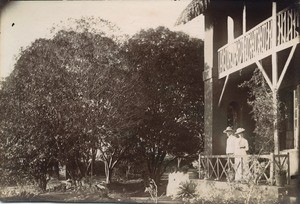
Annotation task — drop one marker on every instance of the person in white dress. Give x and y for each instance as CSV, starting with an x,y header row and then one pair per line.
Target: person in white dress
x,y
230,148
230,143
241,160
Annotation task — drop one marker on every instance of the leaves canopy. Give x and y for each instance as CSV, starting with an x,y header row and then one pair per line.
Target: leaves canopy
x,y
79,91
264,112
60,94
170,66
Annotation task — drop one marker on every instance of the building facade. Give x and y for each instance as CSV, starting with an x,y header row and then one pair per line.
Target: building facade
x,y
241,36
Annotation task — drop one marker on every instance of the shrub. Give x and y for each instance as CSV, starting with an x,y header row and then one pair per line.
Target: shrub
x,y
187,191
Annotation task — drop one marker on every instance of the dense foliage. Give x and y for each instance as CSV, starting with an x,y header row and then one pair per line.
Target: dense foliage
x,y
169,64
82,96
266,115
65,97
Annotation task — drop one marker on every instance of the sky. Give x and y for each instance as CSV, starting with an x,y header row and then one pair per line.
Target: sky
x,y
22,22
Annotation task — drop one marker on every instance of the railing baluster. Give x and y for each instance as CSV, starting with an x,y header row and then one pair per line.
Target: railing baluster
x,y
208,174
284,26
289,25
199,166
228,162
218,170
288,169
272,168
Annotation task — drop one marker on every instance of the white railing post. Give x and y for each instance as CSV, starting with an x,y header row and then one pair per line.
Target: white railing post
x,y
275,75
218,170
274,24
244,18
272,159
288,168
207,166
199,166
228,163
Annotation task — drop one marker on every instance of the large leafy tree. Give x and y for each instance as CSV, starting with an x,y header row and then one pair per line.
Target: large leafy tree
x,y
170,65
121,109
32,99
62,100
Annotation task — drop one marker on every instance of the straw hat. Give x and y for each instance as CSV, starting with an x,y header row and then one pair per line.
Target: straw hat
x,y
228,129
240,130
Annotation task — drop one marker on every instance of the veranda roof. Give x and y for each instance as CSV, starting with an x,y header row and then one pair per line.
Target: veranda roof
x,y
194,9
198,7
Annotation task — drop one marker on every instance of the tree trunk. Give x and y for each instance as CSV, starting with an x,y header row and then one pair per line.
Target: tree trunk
x,y
128,171
42,182
93,161
108,172
156,169
178,163
41,176
79,171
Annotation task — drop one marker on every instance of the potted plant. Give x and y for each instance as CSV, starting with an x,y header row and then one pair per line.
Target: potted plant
x,y
280,177
193,170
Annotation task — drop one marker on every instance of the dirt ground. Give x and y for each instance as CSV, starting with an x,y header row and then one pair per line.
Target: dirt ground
x,y
129,192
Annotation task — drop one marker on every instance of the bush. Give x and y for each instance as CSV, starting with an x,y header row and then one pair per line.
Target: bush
x,y
19,192
14,178
187,191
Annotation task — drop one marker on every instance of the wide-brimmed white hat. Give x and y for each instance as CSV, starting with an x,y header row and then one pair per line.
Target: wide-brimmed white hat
x,y
228,129
240,130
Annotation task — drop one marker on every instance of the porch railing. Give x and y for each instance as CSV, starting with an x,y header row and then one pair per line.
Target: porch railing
x,y
260,169
287,21
257,43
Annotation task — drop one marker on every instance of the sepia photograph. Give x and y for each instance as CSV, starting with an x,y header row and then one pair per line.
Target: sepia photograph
x,y
150,101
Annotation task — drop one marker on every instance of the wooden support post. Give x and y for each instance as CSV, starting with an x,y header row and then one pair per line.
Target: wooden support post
x,y
297,116
223,89
275,76
272,170
286,66
288,169
275,106
260,67
244,18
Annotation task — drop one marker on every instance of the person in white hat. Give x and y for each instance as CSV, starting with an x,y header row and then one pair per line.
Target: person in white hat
x,y
241,143
241,148
231,140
